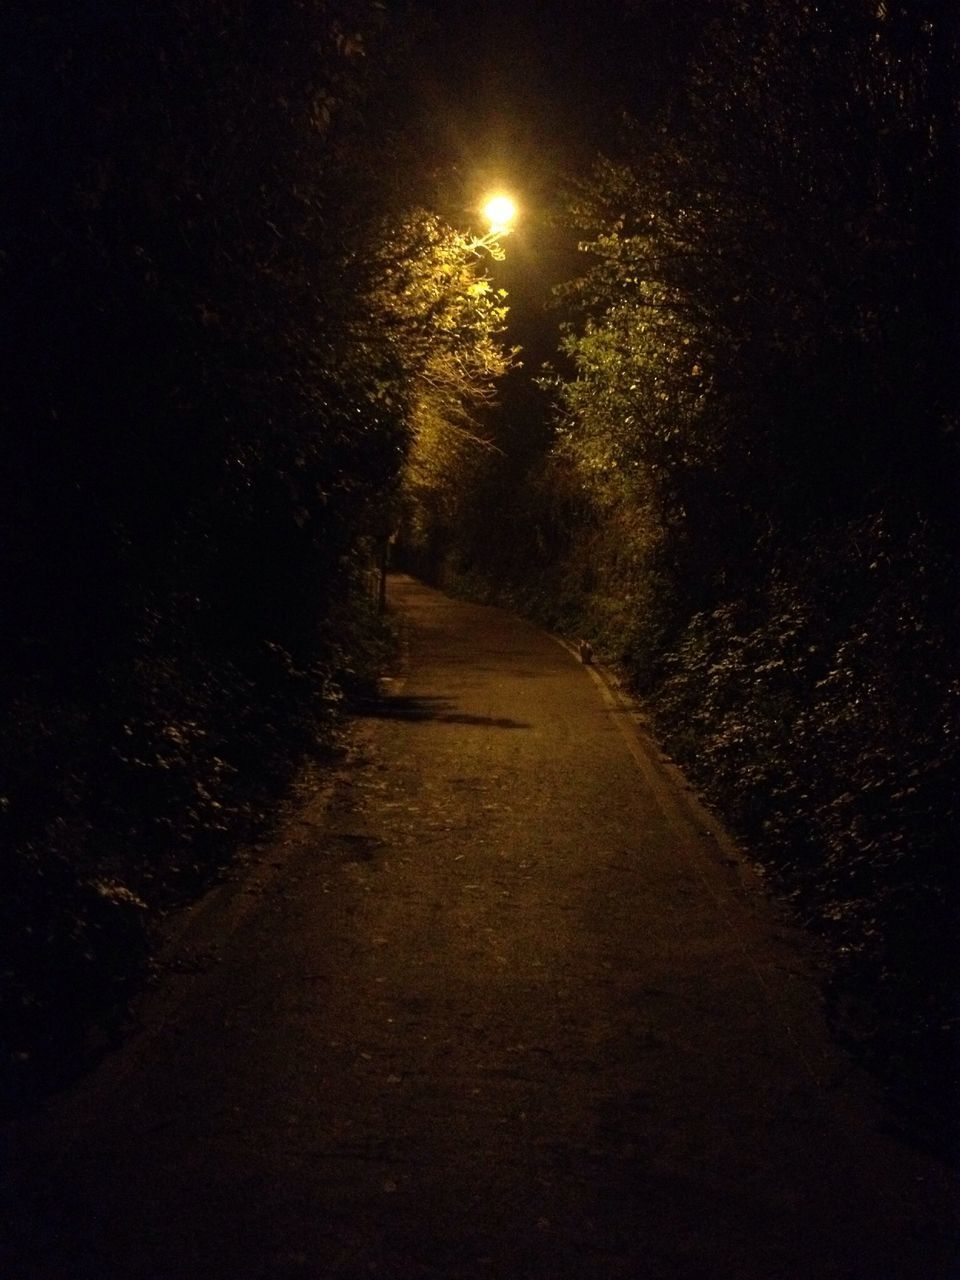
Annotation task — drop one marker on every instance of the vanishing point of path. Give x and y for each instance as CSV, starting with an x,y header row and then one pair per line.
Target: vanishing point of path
x,y
499,1004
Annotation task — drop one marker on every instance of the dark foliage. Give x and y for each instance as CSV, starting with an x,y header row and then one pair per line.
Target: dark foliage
x,y
197,418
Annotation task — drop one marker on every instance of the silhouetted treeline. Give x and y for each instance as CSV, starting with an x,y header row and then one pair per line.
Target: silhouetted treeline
x,y
750,501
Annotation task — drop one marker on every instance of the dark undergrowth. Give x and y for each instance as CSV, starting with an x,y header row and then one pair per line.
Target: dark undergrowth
x,y
824,723
130,801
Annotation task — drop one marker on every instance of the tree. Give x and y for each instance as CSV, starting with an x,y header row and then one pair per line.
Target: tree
x,y
764,325
442,320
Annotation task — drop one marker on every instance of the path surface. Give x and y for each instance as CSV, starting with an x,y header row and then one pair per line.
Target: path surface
x,y
501,1007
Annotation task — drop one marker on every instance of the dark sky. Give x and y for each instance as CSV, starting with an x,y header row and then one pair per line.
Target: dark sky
x,y
536,84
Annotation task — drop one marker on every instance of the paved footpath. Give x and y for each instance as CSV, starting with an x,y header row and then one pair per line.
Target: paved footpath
x,y
499,1003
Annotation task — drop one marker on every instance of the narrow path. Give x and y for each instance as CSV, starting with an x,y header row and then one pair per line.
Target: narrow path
x,y
499,1007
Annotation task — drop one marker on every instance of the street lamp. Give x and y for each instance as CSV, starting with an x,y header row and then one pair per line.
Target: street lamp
x,y
499,212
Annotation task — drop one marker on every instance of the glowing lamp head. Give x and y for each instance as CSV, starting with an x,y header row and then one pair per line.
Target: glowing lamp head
x,y
499,212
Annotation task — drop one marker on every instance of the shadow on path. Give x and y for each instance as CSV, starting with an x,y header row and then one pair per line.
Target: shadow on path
x,y
427,707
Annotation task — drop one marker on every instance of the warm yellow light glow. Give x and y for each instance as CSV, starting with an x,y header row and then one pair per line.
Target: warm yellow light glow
x,y
499,211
